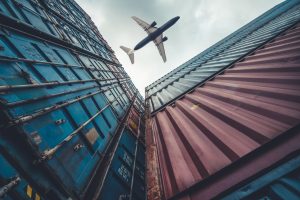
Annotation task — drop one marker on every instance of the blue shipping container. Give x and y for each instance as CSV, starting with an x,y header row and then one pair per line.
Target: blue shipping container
x,y
127,168
63,98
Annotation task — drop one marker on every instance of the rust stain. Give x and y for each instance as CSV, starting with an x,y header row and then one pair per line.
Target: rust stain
x,y
153,184
154,188
92,136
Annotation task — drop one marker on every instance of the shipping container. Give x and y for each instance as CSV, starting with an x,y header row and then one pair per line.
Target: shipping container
x,y
229,135
221,55
127,171
280,182
223,125
10,178
65,100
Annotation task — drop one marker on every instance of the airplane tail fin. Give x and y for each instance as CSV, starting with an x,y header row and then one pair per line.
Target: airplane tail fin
x,y
130,53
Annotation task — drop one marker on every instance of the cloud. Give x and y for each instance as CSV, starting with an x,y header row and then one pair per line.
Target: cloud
x,y
202,23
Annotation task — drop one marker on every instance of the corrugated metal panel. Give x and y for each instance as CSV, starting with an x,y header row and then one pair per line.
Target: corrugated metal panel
x,y
12,185
64,100
229,40
230,116
282,182
58,108
223,54
61,19
126,171
127,168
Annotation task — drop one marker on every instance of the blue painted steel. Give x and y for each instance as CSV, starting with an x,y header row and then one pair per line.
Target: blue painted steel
x,y
139,180
8,173
77,28
28,12
282,182
60,106
118,182
222,54
45,132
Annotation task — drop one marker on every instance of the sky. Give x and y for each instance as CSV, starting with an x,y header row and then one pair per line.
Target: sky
x,y
202,23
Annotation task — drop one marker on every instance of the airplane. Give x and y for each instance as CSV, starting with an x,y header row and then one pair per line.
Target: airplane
x,y
154,34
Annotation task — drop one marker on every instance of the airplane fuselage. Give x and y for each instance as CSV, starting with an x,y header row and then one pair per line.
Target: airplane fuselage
x,y
156,33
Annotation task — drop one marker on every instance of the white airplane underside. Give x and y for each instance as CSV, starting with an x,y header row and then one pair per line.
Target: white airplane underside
x,y
158,41
151,31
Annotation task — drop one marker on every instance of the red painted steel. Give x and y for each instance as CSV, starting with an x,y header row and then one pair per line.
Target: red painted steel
x,y
230,116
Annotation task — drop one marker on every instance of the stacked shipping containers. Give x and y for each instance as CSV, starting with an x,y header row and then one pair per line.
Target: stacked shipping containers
x,y
71,119
225,125
219,56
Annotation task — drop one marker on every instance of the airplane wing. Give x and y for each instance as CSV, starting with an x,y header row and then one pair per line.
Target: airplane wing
x,y
147,27
160,46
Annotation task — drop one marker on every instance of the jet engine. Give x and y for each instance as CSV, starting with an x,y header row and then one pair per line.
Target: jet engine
x,y
153,24
164,39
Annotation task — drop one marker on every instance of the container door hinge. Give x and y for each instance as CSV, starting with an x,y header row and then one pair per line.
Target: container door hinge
x,y
6,188
77,147
60,121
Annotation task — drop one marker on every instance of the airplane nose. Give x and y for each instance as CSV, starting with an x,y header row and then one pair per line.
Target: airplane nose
x,y
176,18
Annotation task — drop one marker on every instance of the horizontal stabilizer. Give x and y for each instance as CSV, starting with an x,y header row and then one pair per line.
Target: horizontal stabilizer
x,y
129,52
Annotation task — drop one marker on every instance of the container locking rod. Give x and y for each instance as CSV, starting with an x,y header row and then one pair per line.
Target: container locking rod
x,y
6,188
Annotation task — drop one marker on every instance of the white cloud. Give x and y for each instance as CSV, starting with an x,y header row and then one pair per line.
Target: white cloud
x,y
202,23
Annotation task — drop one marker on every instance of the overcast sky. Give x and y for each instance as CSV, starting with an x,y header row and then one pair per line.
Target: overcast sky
x,y
202,23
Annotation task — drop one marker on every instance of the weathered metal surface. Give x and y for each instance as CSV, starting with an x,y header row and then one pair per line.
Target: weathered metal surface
x,y
245,169
221,55
133,121
77,112
227,118
50,17
102,172
127,171
154,191
63,95
154,187
122,167
6,188
281,182
13,185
